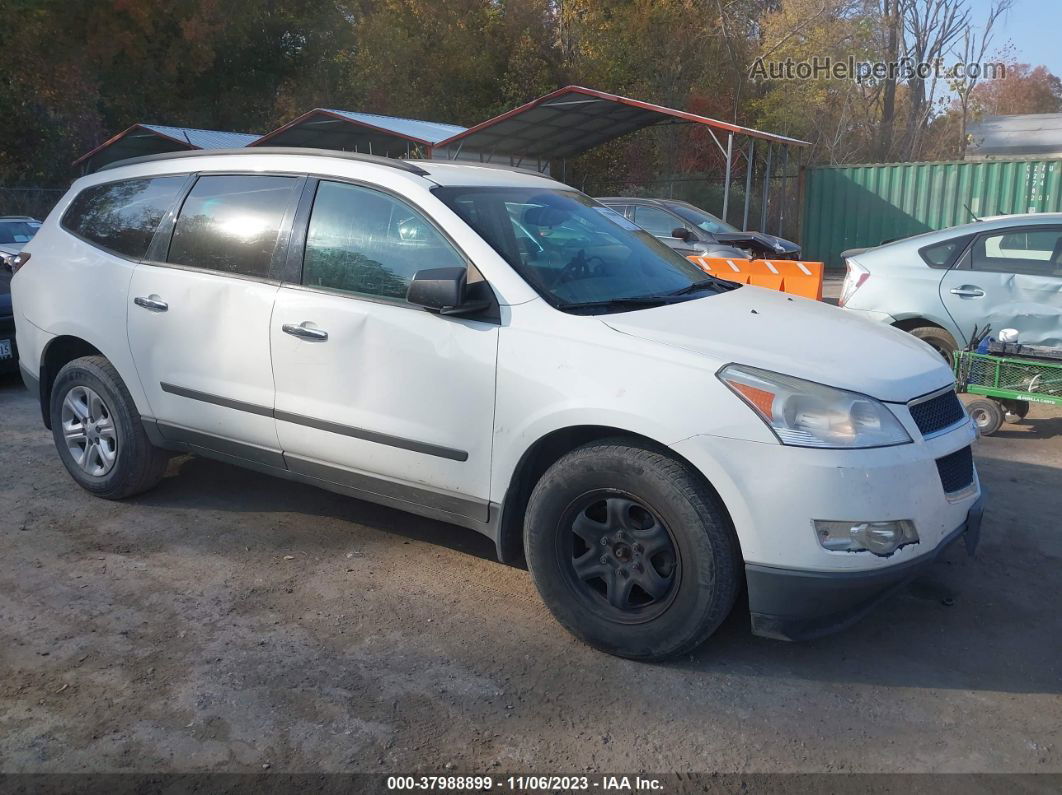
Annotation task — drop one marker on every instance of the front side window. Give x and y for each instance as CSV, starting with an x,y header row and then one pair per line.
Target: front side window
x,y
1032,252
573,251
122,216
363,241
656,221
231,223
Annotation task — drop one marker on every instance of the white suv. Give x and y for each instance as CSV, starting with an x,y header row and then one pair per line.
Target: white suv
x,y
494,349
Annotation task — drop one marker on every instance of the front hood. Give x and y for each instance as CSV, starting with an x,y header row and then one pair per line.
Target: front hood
x,y
765,241
795,336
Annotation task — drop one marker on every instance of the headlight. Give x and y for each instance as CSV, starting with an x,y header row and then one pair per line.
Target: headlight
x,y
806,414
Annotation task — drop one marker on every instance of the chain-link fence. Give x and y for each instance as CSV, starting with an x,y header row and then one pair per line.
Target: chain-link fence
x,y
34,202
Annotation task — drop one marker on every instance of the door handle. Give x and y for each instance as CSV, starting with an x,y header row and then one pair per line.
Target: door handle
x,y
968,292
304,332
155,304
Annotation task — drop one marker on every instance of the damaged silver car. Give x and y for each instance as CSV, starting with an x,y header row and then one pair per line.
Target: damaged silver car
x,y
1005,272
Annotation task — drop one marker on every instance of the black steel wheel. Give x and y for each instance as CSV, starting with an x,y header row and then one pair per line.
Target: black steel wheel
x,y
631,550
623,559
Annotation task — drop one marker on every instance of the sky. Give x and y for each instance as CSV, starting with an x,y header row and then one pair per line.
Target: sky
x,y
1033,26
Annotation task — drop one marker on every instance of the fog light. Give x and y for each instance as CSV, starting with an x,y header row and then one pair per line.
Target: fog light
x,y
879,538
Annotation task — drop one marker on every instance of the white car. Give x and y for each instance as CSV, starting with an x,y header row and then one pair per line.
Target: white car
x,y
651,439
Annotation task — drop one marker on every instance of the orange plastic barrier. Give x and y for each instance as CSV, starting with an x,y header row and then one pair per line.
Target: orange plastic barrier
x,y
786,275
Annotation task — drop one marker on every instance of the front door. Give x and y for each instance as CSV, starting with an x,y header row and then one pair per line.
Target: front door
x,y
199,318
1009,279
371,392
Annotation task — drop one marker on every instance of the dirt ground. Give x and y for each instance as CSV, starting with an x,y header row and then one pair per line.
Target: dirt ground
x,y
227,621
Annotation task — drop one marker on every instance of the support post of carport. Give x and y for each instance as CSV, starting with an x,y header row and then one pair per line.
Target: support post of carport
x,y
748,184
766,188
785,184
726,183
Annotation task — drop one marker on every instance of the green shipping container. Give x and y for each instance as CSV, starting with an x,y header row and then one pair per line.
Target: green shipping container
x,y
858,206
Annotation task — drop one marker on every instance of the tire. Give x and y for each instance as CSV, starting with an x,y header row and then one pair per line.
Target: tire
x,y
938,339
987,414
1014,411
641,512
124,462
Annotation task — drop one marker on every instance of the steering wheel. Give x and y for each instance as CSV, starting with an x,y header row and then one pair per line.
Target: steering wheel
x,y
580,267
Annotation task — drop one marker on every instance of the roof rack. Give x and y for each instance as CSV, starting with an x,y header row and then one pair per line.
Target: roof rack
x,y
401,165
497,166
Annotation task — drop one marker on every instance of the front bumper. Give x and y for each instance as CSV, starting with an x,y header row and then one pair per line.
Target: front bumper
x,y
792,604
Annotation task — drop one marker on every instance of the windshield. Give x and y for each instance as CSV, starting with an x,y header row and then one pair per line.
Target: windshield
x,y
573,251
702,220
18,231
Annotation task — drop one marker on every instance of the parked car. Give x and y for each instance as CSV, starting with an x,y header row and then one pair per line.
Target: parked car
x,y
643,433
15,232
691,230
1005,272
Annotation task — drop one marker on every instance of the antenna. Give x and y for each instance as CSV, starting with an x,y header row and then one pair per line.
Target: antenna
x,y
971,212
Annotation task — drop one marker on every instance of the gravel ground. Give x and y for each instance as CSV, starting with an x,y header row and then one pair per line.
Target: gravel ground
x,y
227,621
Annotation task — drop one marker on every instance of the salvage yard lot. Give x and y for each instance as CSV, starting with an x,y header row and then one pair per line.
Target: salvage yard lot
x,y
228,620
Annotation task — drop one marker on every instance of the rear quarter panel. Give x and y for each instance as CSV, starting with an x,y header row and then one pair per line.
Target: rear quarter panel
x,y
71,288
902,286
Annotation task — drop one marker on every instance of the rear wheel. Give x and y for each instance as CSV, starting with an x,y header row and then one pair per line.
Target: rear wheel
x,y
631,551
987,414
98,431
938,339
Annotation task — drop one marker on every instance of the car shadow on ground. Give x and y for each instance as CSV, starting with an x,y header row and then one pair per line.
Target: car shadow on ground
x,y
1041,427
205,484
961,625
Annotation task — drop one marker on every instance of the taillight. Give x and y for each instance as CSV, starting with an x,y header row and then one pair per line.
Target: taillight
x,y
854,279
16,262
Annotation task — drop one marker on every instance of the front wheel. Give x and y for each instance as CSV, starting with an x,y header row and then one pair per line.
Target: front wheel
x,y
98,431
631,551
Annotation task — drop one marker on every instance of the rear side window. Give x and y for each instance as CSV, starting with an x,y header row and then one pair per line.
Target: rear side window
x,y
231,223
366,242
122,216
942,255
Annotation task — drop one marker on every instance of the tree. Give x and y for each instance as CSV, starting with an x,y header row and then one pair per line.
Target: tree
x,y
1021,90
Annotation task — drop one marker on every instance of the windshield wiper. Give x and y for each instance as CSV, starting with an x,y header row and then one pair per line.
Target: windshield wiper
x,y
636,300
703,284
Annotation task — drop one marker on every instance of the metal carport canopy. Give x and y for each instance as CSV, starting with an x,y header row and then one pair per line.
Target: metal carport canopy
x,y
347,130
573,120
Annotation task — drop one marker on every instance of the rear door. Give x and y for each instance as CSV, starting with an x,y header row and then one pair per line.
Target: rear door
x,y
1009,278
199,313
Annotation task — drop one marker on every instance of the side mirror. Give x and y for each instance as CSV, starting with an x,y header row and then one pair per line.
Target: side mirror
x,y
443,290
682,233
